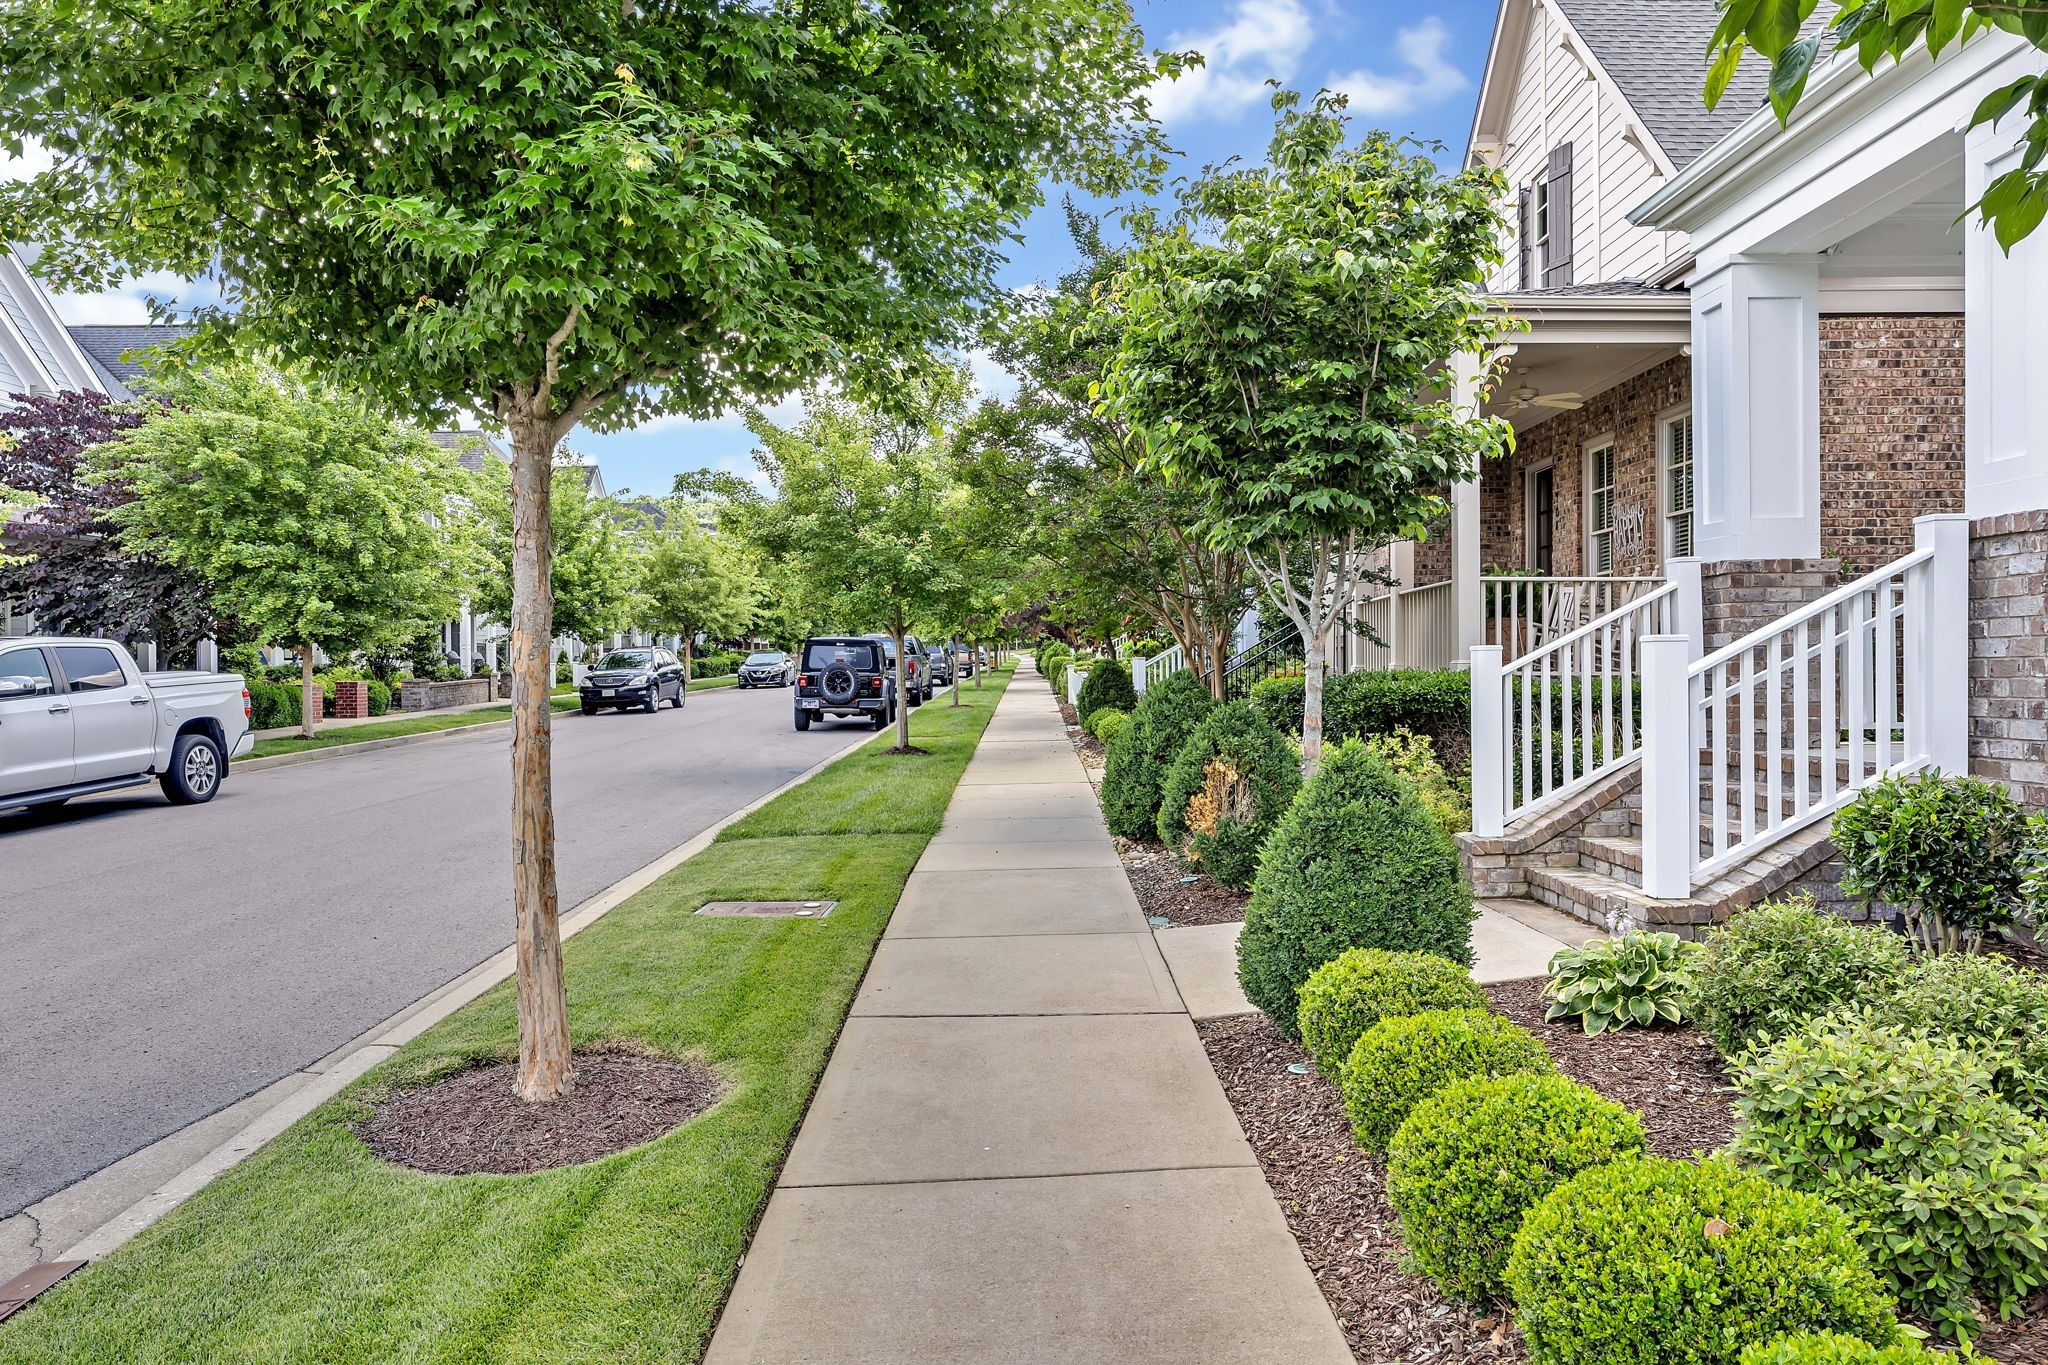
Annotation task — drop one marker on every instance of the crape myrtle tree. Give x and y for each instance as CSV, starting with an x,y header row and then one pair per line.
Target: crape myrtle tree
x,y
692,581
1119,544
67,566
1278,356
318,522
594,556
857,514
564,213
1878,30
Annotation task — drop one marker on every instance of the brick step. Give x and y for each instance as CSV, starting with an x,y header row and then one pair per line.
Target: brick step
x,y
1605,889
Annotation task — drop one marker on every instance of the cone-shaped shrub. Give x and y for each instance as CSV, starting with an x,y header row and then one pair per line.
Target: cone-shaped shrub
x,y
1166,716
1225,790
1357,862
1107,684
1361,986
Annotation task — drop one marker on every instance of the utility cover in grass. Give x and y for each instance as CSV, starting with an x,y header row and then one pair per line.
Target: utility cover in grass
x,y
471,1123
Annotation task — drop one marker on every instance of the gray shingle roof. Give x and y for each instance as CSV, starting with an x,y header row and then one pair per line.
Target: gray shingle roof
x,y
1655,51
104,345
471,448
1635,289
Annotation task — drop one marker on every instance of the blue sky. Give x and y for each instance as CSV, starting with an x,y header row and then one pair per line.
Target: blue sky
x,y
1408,67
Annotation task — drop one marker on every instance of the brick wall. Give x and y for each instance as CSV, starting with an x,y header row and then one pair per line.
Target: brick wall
x,y
2009,652
1738,596
1891,431
1628,413
351,699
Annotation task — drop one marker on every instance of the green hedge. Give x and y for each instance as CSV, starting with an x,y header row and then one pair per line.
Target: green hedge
x,y
1357,862
1772,967
1166,716
273,706
1647,1261
1428,701
1225,790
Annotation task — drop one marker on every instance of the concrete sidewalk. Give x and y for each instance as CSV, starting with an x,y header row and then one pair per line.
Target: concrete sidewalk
x,y
1019,1152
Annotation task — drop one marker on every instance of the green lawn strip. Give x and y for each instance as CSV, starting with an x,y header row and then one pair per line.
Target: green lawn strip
x,y
393,728
314,1250
707,684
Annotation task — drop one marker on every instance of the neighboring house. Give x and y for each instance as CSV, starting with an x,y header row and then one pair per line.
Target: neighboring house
x,y
1778,513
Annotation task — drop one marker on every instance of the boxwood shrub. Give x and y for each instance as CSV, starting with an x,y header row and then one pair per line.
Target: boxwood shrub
x,y
1428,701
1648,1261
1361,986
1225,790
380,698
1165,716
1102,716
1774,966
1832,1348
1478,1154
1400,1062
1947,1183
1356,862
1108,684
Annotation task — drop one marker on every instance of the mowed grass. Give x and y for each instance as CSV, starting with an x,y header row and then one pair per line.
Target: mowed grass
x,y
395,727
313,1250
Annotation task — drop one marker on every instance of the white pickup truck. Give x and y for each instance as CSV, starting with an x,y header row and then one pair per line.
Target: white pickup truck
x,y
78,717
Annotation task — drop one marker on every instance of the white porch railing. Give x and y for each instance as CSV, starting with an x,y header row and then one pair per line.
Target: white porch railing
x,y
1783,727
1523,614
1562,715
1157,669
1419,627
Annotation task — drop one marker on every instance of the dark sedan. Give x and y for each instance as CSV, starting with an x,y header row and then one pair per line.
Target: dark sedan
x,y
769,668
634,677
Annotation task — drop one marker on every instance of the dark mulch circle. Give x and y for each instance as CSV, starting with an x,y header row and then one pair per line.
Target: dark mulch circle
x,y
905,750
1673,1077
1156,877
471,1123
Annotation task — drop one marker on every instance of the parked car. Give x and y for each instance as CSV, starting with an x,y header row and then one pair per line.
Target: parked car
x,y
639,677
917,681
768,668
77,716
845,675
965,662
940,665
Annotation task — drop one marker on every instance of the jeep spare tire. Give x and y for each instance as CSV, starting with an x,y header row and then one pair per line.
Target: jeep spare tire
x,y
838,684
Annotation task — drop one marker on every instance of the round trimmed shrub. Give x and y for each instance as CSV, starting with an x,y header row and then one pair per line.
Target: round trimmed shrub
x,y
1832,1348
1093,725
1361,986
1166,715
1478,1154
1109,723
1225,790
1946,1182
1996,1009
1648,1261
1400,1062
380,698
1774,966
1356,862
1108,684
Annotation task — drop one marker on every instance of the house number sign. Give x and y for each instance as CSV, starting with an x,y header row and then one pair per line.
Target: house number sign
x,y
1628,531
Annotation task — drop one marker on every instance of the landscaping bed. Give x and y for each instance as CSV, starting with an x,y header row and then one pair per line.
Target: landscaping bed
x,y
315,1249
1161,883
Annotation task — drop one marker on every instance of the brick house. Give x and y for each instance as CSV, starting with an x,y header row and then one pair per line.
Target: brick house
x,y
1777,517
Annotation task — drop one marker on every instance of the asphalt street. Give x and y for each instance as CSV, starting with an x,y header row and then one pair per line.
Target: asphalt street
x,y
159,963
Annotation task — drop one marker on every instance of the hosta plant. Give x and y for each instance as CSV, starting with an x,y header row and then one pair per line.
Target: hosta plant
x,y
1638,978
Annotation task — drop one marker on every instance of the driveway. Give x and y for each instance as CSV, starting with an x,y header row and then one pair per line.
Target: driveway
x,y
162,963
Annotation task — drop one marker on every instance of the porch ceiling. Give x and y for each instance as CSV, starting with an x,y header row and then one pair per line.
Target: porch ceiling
x,y
1585,345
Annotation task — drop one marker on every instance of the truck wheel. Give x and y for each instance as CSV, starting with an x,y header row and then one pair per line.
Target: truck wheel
x,y
195,771
803,720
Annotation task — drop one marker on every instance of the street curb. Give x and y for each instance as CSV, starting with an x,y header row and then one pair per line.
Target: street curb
x,y
366,746
335,1072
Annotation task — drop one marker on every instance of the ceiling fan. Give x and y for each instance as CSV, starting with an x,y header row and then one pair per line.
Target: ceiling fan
x,y
1526,395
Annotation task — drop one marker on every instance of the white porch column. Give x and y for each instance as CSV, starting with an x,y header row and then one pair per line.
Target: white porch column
x,y
1756,399
208,660
2005,348
1671,768
468,635
1938,643
1468,608
1489,745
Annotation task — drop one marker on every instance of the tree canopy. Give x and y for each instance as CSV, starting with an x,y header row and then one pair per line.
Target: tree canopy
x,y
1281,356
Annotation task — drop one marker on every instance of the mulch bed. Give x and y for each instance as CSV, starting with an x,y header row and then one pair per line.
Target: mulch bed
x,y
472,1124
1155,876
905,750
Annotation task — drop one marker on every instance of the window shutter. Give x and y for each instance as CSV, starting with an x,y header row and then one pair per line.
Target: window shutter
x,y
1525,224
1557,259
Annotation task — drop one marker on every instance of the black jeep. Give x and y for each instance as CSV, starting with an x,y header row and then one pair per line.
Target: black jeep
x,y
844,675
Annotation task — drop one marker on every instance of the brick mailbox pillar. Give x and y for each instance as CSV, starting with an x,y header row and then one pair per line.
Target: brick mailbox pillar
x,y
351,699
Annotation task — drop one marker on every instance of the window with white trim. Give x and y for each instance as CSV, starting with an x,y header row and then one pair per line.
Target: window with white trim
x,y
1678,517
1600,508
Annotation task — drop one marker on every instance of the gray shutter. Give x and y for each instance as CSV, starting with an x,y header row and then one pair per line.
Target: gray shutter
x,y
1557,258
1526,224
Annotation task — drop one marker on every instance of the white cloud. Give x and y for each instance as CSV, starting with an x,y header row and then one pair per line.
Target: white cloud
x,y
990,378
1263,40
1426,78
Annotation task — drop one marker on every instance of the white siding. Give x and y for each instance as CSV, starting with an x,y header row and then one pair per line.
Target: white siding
x,y
1558,99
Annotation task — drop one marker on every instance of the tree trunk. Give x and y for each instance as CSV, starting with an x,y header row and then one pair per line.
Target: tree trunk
x,y
544,1067
1218,649
310,698
1312,650
686,659
902,699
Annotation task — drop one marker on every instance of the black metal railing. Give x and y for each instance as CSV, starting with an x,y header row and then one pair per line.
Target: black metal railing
x,y
1277,651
